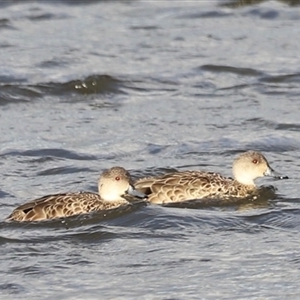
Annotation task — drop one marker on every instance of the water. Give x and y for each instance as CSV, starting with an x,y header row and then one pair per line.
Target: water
x,y
152,86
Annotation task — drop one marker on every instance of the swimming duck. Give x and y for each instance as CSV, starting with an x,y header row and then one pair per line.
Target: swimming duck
x,y
115,189
189,185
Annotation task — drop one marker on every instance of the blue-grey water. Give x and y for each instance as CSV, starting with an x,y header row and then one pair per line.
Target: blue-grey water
x,y
152,86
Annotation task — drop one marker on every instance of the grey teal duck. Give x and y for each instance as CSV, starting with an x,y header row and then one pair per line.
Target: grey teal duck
x,y
115,189
189,185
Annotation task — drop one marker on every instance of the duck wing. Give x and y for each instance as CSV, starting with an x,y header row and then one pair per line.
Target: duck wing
x,y
57,205
181,186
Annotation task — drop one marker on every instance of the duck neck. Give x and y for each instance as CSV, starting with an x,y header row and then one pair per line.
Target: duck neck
x,y
245,187
109,195
246,182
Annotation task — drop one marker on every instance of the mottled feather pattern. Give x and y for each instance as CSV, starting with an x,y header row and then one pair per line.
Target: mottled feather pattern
x,y
62,205
189,185
114,190
181,186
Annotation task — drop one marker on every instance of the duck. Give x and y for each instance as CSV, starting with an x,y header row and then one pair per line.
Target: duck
x,y
191,185
115,189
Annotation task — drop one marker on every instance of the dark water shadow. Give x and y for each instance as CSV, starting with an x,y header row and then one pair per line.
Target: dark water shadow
x,y
50,154
239,3
62,170
4,194
18,93
206,14
242,3
232,70
94,84
87,2
12,289
15,91
288,78
62,2
5,24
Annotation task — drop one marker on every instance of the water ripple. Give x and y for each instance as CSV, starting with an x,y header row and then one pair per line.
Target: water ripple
x,y
16,93
48,154
62,170
94,84
289,78
233,70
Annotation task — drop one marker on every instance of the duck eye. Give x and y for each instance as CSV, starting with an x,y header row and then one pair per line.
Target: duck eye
x,y
255,161
117,178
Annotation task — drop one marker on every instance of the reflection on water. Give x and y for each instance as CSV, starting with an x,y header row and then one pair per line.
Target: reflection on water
x,y
154,87
241,3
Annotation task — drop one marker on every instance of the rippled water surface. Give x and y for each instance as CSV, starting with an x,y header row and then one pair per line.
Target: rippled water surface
x,y
152,86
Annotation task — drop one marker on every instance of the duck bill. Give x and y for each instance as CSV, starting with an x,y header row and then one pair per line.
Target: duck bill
x,y
132,195
271,173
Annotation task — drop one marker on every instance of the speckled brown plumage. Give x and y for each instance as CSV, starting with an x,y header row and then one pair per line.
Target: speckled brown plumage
x,y
181,186
114,190
188,185
62,205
